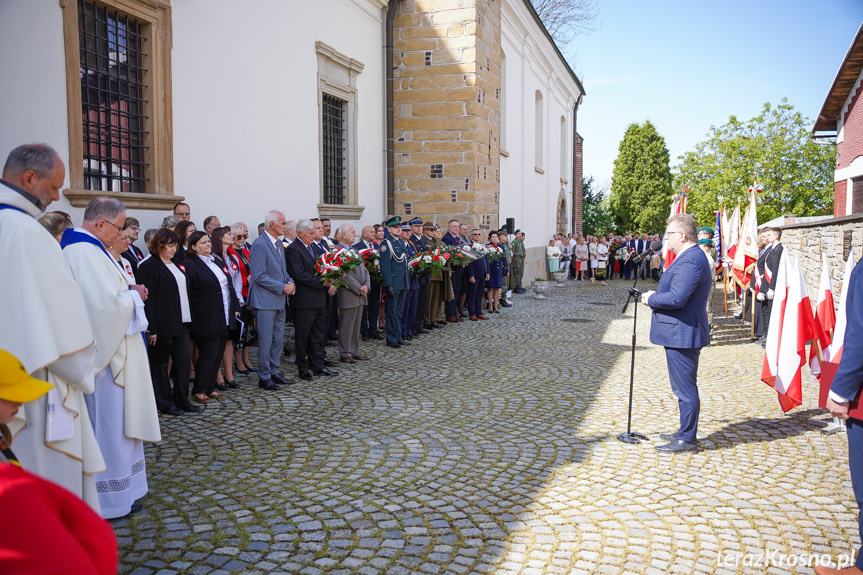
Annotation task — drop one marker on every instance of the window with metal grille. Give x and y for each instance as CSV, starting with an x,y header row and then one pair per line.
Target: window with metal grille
x,y
334,149
113,97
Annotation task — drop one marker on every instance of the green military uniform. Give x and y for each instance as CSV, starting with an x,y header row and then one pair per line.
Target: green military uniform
x,y
517,263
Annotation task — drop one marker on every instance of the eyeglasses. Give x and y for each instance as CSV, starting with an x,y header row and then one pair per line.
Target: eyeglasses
x,y
115,225
674,232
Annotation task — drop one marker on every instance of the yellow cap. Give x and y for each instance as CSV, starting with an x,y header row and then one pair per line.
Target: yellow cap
x,y
16,384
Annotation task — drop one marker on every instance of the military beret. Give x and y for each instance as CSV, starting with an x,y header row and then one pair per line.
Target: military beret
x,y
518,231
393,221
416,221
502,231
707,229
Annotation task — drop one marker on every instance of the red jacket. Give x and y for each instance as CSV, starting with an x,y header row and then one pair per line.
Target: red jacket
x,y
47,530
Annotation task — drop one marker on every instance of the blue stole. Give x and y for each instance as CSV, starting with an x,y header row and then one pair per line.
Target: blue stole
x,y
70,237
8,207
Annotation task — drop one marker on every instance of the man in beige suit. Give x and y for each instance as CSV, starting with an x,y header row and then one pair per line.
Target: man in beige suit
x,y
350,301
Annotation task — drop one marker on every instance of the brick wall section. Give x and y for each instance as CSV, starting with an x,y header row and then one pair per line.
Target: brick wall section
x,y
446,88
577,189
841,193
852,144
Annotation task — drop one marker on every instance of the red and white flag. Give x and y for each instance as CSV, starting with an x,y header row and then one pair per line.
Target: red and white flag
x,y
791,327
825,319
732,235
678,206
746,253
834,352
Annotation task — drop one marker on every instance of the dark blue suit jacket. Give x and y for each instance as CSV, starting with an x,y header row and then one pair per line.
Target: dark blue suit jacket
x,y
849,376
680,302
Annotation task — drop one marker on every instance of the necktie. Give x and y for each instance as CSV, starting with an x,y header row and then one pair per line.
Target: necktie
x,y
311,252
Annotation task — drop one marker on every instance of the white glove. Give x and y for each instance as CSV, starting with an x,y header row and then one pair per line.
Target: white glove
x,y
770,294
760,297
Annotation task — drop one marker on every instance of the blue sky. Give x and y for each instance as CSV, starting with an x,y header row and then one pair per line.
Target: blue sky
x,y
687,65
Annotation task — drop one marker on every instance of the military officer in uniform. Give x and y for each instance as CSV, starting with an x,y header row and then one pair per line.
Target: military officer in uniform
x,y
420,244
412,296
396,279
434,294
517,262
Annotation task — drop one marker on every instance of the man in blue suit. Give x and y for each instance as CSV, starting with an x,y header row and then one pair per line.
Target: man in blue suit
x,y
269,287
679,324
846,387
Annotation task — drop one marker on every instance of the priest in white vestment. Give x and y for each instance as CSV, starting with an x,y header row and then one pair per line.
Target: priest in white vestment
x,y
45,324
123,406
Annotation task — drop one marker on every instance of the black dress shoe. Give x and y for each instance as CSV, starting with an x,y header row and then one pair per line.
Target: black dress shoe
x,y
407,337
136,508
192,408
504,304
668,436
277,377
403,342
421,331
442,322
221,386
329,363
305,375
327,372
677,446
173,410
232,384
395,345
376,336
267,384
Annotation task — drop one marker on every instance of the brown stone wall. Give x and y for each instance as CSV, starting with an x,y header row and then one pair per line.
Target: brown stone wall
x,y
446,92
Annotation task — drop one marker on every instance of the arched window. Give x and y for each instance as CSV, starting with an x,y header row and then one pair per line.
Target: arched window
x,y
538,131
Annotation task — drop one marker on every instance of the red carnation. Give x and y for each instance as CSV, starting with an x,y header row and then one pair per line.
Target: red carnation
x,y
435,258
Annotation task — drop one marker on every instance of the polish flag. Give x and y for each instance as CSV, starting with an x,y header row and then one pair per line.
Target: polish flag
x,y
668,255
791,327
834,352
732,233
825,319
746,253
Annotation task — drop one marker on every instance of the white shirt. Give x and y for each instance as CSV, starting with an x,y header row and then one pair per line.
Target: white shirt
x,y
185,312
223,283
271,238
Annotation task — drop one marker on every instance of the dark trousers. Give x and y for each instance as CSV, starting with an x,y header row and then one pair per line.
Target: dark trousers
x,y
210,352
855,462
475,291
627,269
310,335
369,322
395,309
410,310
331,322
452,305
181,353
683,375
422,296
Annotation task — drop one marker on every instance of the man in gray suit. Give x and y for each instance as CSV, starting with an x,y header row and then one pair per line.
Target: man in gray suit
x,y
269,286
350,300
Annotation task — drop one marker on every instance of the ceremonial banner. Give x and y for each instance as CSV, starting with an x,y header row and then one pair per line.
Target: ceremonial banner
x,y
791,327
733,236
678,206
825,318
717,238
746,253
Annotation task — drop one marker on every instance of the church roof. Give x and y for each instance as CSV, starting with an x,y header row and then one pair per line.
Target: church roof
x,y
542,27
844,82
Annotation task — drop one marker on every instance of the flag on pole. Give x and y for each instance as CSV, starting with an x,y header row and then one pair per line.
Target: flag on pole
x,y
746,253
678,206
717,238
733,236
834,352
825,319
791,327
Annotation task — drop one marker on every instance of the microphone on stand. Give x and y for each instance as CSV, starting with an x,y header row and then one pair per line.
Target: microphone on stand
x,y
655,246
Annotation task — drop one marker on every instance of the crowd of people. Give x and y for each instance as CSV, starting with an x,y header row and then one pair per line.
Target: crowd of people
x,y
602,258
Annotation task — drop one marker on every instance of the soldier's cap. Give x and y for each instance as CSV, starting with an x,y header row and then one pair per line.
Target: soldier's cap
x,y
705,241
430,226
518,231
417,221
502,231
707,229
406,226
393,221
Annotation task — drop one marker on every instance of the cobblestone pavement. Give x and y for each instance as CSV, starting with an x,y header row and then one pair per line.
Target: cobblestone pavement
x,y
489,447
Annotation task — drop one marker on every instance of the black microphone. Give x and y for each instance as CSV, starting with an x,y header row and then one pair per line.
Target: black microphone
x,y
655,246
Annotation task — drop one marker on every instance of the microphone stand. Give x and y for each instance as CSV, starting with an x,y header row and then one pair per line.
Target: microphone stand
x,y
632,436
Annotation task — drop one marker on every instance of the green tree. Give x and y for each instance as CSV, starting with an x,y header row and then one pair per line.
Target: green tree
x,y
641,181
795,172
596,215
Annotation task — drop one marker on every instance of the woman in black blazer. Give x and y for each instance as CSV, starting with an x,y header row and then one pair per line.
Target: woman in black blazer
x,y
168,330
214,309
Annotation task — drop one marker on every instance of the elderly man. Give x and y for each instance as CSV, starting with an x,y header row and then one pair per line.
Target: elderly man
x,y
290,231
452,238
369,321
679,324
309,303
351,299
269,285
122,408
45,325
182,211
211,223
